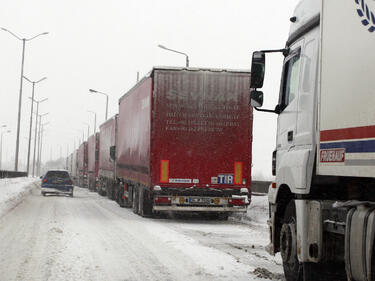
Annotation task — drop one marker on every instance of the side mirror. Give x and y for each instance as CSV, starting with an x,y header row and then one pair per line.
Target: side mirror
x,y
256,98
112,152
258,67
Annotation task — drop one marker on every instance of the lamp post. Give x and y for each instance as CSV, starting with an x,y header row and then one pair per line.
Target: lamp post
x,y
31,118
20,94
1,144
36,129
36,158
106,105
94,119
178,52
88,129
41,146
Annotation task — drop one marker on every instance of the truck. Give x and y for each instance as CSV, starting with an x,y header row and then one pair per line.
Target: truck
x,y
93,161
322,200
184,138
82,161
107,172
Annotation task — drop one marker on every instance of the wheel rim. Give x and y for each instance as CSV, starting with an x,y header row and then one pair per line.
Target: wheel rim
x,y
288,243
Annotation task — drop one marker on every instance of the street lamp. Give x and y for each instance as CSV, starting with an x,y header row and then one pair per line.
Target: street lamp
x,y
35,139
41,146
1,143
88,129
93,112
20,94
106,106
31,118
178,52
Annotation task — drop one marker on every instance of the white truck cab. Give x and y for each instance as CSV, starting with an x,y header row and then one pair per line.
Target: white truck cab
x,y
322,203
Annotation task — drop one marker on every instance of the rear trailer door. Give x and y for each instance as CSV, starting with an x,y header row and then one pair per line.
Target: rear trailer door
x,y
347,95
202,129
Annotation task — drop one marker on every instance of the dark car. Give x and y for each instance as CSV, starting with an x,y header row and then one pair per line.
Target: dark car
x,y
57,182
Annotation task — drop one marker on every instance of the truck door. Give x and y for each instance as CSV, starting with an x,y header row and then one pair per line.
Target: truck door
x,y
288,101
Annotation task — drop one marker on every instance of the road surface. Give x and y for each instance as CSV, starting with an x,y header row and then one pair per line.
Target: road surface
x,y
89,237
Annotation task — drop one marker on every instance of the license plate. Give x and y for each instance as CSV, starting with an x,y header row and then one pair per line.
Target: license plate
x,y
194,200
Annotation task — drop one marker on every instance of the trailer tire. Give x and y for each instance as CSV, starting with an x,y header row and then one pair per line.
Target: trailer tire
x,y
135,200
145,204
119,199
129,201
101,192
111,192
293,269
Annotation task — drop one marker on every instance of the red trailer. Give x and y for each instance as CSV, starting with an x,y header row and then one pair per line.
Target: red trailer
x,y
93,161
107,175
184,142
82,164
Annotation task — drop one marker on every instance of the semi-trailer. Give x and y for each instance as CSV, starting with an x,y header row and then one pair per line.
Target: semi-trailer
x,y
107,172
82,159
322,203
183,142
93,161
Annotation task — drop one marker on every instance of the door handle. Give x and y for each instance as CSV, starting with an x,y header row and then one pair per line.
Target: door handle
x,y
290,136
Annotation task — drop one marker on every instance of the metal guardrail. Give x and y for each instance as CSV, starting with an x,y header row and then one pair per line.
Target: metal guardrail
x,y
12,174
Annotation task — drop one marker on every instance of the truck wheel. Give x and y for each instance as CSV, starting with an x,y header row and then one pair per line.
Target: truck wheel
x,y
100,191
120,201
145,204
135,200
128,202
293,269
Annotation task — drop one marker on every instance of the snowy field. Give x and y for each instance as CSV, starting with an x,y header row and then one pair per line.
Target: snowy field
x,y
89,237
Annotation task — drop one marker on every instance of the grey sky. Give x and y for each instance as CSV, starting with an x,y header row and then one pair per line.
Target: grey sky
x,y
102,44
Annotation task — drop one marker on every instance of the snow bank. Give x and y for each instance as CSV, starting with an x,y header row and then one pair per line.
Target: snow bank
x,y
13,190
257,211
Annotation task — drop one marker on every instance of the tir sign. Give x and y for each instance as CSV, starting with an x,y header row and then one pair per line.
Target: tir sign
x,y
225,179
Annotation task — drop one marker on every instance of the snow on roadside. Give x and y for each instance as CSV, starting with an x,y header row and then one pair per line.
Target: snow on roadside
x,y
257,211
13,190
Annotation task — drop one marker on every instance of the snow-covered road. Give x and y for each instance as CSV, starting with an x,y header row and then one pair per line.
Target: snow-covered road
x,y
89,237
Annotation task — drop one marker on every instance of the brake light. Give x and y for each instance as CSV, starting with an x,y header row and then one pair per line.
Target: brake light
x,y
164,170
236,202
163,200
237,172
44,180
70,182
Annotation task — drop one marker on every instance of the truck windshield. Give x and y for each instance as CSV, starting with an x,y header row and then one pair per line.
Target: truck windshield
x,y
291,79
